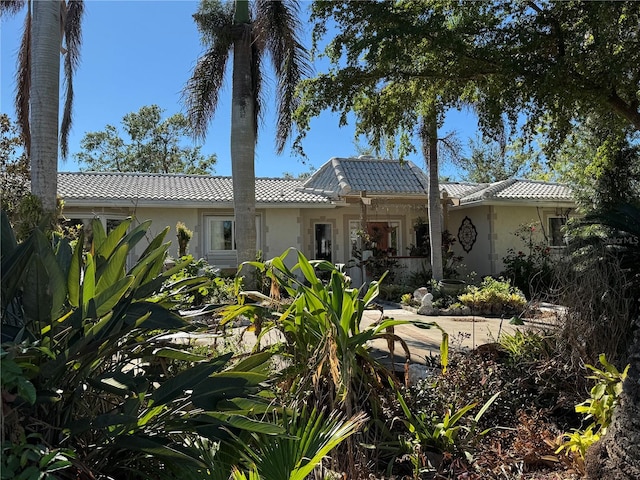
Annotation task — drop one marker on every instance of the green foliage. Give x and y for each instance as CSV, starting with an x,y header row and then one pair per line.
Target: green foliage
x,y
530,269
490,161
601,165
197,283
325,342
154,146
407,299
14,164
455,432
599,407
310,436
523,347
29,459
493,297
84,335
488,54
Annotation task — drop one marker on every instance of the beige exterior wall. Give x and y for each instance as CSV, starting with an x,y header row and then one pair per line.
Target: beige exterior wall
x,y
281,228
496,226
480,258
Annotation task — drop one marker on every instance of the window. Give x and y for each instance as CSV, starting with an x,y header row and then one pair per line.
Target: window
x,y
221,233
322,241
384,236
556,235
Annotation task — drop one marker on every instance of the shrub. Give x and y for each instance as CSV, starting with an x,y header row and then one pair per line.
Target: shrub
x,y
494,297
85,359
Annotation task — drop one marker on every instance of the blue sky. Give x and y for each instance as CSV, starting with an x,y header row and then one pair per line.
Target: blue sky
x,y
137,53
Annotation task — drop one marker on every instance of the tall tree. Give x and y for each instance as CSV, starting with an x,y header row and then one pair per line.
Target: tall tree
x,y
48,23
253,32
153,145
377,73
489,161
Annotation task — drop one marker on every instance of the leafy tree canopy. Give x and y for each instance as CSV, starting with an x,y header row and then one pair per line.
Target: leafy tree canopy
x,y
152,145
14,178
489,161
553,60
602,166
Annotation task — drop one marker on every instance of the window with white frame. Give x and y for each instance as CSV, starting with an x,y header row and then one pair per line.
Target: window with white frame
x,y
556,234
221,233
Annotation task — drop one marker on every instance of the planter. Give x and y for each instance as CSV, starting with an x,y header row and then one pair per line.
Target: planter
x,y
452,287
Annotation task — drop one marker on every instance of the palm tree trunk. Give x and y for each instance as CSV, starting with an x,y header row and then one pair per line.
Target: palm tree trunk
x,y
430,135
243,142
617,455
44,106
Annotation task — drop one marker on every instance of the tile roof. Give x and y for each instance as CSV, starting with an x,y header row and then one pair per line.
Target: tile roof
x,y
192,189
340,177
510,189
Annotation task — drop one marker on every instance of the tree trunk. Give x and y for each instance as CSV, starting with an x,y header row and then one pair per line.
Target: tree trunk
x,y
44,105
435,225
617,455
243,142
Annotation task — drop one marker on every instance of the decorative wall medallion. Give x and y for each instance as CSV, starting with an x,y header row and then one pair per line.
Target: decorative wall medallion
x,y
467,234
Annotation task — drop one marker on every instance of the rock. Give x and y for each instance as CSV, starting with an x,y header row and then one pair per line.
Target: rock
x,y
430,310
427,300
419,293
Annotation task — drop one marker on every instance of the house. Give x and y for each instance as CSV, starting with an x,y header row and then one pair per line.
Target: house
x,y
328,215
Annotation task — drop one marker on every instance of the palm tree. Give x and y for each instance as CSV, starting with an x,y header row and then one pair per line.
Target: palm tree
x,y
47,24
252,32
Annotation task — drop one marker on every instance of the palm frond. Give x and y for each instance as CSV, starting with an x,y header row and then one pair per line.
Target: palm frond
x,y
73,36
11,7
200,95
23,82
202,91
278,27
256,75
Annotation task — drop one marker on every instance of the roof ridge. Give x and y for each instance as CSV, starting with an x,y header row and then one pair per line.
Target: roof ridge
x,y
496,187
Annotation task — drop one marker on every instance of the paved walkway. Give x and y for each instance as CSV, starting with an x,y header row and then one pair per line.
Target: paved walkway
x,y
464,332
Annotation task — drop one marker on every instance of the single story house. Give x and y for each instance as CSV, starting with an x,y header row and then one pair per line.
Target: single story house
x,y
327,215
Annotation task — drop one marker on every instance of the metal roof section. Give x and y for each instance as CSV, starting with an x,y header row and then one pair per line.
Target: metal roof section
x,y
147,188
341,177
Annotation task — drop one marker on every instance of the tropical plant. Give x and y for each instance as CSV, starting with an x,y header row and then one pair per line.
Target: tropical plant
x,y
310,436
493,297
454,432
325,341
269,30
327,360
599,407
84,332
48,23
184,237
